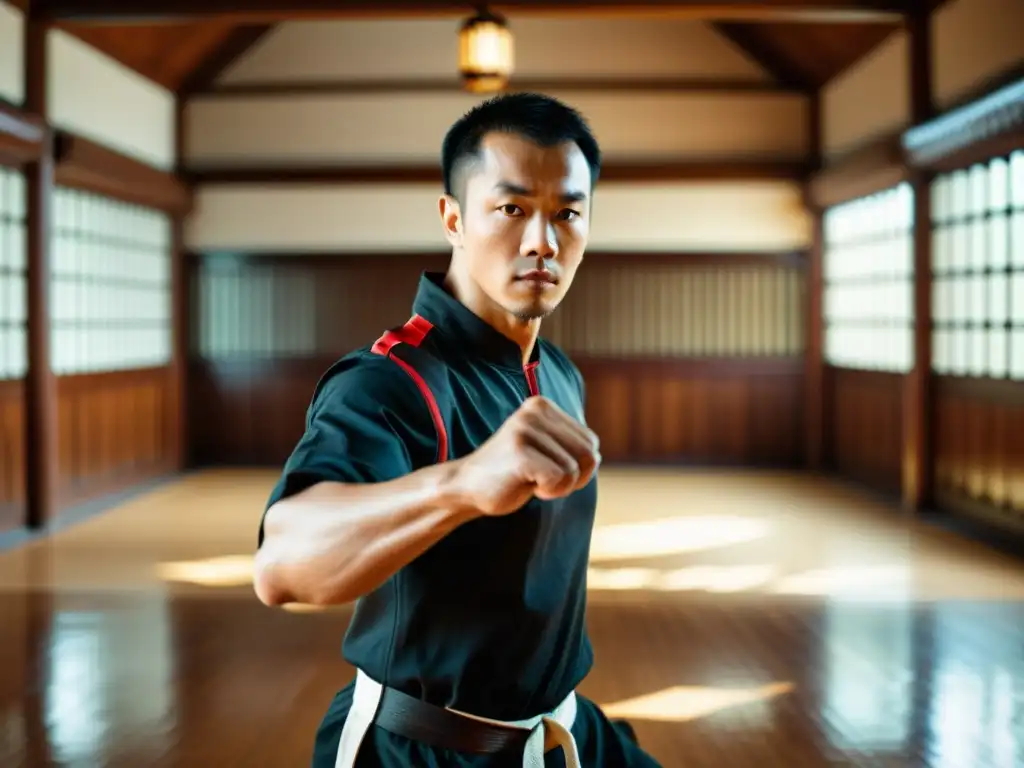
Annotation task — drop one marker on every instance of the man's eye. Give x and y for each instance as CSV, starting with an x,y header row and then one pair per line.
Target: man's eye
x,y
569,214
510,209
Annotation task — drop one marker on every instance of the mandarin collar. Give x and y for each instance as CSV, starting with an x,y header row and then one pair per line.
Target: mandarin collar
x,y
462,329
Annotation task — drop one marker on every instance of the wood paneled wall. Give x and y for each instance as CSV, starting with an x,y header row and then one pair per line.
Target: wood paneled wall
x,y
12,457
687,357
114,431
979,448
864,435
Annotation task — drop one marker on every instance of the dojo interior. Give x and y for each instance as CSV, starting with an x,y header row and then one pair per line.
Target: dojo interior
x,y
800,321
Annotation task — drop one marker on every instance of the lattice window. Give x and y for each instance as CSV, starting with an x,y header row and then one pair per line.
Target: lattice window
x,y
110,302
13,258
246,311
978,268
868,272
682,311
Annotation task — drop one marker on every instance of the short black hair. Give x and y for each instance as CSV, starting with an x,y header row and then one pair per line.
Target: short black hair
x,y
534,116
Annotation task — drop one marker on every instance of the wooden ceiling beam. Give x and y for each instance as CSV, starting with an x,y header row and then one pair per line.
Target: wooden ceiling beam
x,y
86,165
269,11
992,126
21,136
378,86
669,170
878,164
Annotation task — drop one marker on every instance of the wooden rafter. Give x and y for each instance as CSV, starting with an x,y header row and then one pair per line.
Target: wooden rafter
x,y
262,11
775,65
241,39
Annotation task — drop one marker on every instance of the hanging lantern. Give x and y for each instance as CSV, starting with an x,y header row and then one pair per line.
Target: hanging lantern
x,y
485,53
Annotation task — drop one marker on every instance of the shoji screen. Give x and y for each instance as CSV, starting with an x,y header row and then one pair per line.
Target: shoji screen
x,y
978,266
111,298
13,353
869,282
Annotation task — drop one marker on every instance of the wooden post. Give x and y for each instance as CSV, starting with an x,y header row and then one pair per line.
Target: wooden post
x,y
40,384
917,399
180,308
814,374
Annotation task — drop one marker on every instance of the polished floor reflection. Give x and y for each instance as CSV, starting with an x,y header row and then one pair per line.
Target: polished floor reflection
x,y
739,620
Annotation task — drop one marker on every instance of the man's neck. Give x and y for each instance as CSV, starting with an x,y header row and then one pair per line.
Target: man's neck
x,y
523,332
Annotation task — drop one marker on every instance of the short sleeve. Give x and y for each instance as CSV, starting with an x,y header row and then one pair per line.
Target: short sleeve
x,y
368,423
581,383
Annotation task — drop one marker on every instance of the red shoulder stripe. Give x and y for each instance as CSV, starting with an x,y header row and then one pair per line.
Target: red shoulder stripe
x,y
413,333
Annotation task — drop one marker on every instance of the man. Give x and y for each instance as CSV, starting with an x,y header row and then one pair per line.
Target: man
x,y
446,481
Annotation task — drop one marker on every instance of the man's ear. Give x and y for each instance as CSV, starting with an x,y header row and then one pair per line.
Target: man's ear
x,y
451,219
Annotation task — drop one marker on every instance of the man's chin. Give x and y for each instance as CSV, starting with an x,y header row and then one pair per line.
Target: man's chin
x,y
533,303
534,310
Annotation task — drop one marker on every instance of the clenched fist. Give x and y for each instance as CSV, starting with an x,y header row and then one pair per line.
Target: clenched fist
x,y
539,451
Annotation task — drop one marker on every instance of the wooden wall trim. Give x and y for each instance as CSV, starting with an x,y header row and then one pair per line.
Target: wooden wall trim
x,y
768,169
430,260
990,127
1005,392
918,413
993,519
814,374
40,423
86,165
21,136
84,382
180,311
639,365
354,86
876,165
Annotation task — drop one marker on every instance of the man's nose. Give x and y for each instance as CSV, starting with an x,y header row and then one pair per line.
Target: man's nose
x,y
539,239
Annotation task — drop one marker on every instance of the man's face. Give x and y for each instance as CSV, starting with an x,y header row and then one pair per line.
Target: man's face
x,y
523,222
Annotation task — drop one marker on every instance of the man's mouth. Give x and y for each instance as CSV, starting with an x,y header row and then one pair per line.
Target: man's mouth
x,y
538,276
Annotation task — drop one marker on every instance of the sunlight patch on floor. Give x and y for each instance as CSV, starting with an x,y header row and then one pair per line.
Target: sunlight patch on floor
x,y
658,531
682,703
673,536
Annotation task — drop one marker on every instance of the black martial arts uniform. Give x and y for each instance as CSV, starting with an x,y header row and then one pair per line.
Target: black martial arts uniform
x,y
491,619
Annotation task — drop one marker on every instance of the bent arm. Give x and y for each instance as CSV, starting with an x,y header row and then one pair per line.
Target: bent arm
x,y
335,542
360,496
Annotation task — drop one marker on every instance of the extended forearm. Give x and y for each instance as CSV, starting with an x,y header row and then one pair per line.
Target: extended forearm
x,y
334,543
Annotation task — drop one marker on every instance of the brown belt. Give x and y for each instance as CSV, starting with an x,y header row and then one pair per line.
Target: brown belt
x,y
409,717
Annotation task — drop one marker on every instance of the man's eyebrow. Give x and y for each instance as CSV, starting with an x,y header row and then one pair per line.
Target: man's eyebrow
x,y
517,189
512,189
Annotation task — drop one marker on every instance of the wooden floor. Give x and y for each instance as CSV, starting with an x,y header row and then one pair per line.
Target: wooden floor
x,y
739,620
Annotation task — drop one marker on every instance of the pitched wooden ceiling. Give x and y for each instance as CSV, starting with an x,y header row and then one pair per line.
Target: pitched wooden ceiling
x,y
805,55
182,57
187,55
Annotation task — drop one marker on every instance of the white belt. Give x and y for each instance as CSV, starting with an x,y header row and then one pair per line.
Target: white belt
x,y
556,724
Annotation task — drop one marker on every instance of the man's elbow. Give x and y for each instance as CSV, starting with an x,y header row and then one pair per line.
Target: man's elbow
x,y
266,582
